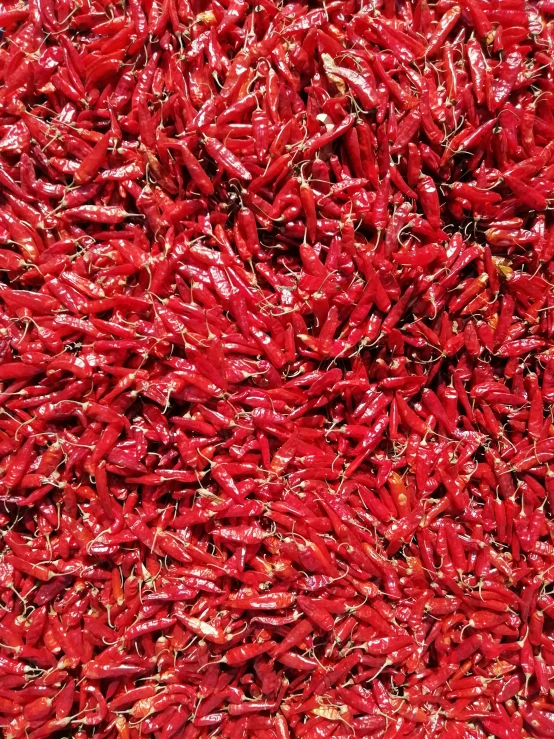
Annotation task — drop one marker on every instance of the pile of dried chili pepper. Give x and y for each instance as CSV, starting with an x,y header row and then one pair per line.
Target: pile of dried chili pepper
x,y
276,369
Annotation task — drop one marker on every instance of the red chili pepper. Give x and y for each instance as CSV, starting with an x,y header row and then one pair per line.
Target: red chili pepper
x,y
362,86
226,159
264,420
318,141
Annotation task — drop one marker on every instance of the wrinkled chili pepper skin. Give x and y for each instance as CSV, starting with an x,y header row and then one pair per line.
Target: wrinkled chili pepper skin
x,y
276,369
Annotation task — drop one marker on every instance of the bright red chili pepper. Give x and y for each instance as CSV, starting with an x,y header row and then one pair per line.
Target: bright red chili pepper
x,y
273,440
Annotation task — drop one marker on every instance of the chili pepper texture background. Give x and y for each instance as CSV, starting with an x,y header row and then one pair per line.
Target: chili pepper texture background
x,y
276,369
